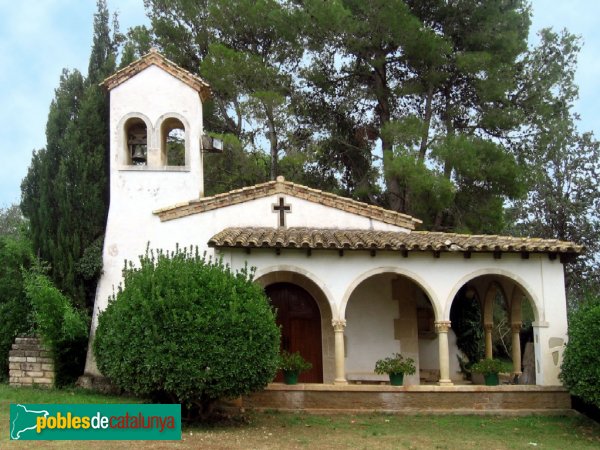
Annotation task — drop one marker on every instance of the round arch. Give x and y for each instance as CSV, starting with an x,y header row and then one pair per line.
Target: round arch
x,y
520,282
425,287
321,295
171,115
166,121
304,279
122,147
488,300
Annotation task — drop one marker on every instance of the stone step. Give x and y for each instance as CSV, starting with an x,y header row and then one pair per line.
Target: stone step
x,y
27,340
29,347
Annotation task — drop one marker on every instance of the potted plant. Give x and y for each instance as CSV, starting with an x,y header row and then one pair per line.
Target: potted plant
x,y
490,368
395,366
292,364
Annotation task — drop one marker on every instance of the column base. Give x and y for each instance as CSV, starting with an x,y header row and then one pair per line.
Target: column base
x,y
515,377
445,383
341,381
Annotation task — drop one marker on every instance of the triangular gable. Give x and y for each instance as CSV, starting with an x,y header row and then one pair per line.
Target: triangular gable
x,y
280,186
156,59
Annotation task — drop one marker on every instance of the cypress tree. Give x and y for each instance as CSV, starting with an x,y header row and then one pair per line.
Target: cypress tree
x,y
65,192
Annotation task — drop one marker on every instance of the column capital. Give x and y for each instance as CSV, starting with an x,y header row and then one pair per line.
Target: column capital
x,y
338,324
516,327
442,326
488,326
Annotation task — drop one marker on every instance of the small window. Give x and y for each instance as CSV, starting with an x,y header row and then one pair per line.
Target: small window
x,y
137,142
173,151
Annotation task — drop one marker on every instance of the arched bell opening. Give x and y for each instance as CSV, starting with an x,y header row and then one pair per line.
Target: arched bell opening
x,y
173,142
136,142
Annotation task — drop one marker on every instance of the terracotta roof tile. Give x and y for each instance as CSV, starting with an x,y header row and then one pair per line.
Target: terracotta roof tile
x,y
157,59
328,238
296,190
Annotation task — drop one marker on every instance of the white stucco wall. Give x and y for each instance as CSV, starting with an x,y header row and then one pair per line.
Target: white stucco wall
x,y
440,278
153,95
370,326
338,277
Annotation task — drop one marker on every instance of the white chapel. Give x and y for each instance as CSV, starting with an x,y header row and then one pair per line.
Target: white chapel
x,y
352,282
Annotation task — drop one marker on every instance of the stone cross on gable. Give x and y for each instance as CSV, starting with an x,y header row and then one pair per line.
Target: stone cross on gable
x,y
282,208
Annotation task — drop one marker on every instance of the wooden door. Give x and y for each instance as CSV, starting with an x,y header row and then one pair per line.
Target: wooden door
x,y
300,320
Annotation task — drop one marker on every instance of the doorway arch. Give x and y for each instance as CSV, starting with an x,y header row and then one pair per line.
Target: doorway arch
x,y
318,291
299,318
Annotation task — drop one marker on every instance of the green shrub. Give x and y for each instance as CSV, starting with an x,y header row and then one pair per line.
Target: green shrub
x,y
395,364
187,330
581,359
62,327
293,362
15,310
488,366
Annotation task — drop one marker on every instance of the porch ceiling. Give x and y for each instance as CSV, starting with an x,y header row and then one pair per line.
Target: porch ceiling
x,y
340,239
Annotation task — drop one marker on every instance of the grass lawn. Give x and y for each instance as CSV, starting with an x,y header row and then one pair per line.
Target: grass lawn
x,y
262,430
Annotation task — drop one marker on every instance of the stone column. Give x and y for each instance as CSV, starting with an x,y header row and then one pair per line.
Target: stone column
x,y
441,328
488,340
340,366
516,347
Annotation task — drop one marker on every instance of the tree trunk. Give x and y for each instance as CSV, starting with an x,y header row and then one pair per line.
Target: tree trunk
x,y
437,223
427,118
397,198
273,142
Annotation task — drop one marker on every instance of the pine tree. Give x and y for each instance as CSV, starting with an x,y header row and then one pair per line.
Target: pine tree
x,y
564,197
430,84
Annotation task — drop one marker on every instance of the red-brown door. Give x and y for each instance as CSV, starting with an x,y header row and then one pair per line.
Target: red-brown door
x,y
300,321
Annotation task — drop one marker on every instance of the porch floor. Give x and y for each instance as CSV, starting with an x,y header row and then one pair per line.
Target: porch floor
x,y
423,399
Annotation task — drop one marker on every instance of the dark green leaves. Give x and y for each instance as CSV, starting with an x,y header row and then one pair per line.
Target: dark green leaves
x,y
65,192
188,328
581,363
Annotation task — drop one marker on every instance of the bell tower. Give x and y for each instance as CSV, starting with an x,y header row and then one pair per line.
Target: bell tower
x,y
156,160
156,134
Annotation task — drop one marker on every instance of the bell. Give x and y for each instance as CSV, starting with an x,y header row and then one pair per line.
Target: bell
x,y
136,140
139,155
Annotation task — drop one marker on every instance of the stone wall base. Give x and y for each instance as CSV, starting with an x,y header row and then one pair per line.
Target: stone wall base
x,y
30,363
97,383
413,399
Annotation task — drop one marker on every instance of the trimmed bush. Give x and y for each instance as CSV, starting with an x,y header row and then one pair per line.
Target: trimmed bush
x,y
581,360
62,327
187,330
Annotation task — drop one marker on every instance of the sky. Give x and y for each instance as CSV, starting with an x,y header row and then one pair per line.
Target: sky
x,y
38,38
